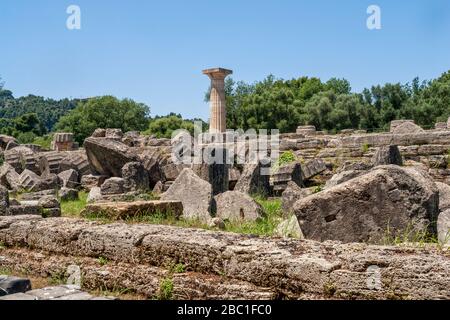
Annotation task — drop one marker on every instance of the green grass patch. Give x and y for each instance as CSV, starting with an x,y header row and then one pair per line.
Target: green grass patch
x,y
409,235
365,147
265,226
284,159
73,208
166,289
5,271
44,141
102,261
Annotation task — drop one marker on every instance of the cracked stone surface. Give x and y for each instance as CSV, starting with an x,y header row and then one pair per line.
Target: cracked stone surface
x,y
293,268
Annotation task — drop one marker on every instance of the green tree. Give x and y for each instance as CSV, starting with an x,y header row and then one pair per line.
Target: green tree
x,y
163,127
104,112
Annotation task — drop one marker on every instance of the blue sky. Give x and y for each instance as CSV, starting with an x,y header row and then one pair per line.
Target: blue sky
x,y
154,51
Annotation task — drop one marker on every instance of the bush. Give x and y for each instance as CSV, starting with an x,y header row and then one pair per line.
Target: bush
x,y
104,112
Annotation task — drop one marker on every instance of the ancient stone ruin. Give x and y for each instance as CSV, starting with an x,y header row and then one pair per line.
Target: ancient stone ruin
x,y
349,202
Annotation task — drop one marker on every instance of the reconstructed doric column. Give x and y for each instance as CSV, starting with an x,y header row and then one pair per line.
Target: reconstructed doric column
x,y
217,123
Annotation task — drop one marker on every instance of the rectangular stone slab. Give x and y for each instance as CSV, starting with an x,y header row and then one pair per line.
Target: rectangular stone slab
x,y
292,266
123,210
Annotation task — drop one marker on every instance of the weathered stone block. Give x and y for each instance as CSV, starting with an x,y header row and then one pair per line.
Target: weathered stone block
x,y
113,186
194,193
237,206
124,210
363,209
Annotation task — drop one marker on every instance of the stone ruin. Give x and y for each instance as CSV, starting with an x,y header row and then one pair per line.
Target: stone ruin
x,y
353,188
63,142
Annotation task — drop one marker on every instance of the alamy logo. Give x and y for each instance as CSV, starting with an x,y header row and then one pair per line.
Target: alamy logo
x,y
74,20
374,20
373,278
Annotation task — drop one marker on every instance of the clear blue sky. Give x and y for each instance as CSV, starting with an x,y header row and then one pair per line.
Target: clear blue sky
x,y
154,51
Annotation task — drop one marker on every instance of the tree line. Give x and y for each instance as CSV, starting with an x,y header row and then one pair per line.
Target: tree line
x,y
267,104
331,106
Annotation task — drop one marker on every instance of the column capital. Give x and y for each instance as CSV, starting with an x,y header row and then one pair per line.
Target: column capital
x,y
217,73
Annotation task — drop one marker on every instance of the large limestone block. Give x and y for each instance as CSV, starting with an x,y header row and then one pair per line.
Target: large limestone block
x,y
195,194
123,210
363,209
406,127
107,156
4,200
387,155
289,228
291,195
313,168
283,175
91,181
443,227
254,179
237,206
9,177
342,177
444,196
69,179
113,186
302,268
4,140
135,176
214,168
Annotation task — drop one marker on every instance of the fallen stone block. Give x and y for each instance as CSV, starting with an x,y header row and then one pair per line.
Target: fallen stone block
x,y
31,182
195,194
4,200
294,268
124,210
35,196
12,285
95,194
114,134
67,194
135,177
364,209
443,227
285,174
25,208
237,206
289,228
291,195
75,160
255,179
387,155
107,157
9,178
407,127
4,140
313,168
113,186
90,181
69,179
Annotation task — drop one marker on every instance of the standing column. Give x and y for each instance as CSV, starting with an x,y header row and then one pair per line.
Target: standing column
x,y
218,120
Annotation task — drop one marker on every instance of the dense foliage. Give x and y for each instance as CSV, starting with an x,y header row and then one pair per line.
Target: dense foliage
x,y
271,103
285,104
104,112
163,127
48,111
